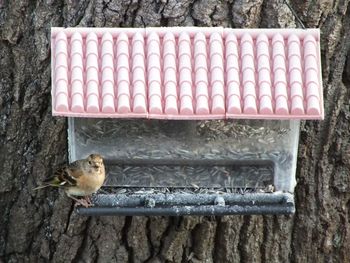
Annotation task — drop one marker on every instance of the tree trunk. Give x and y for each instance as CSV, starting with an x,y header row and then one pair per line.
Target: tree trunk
x,y
42,226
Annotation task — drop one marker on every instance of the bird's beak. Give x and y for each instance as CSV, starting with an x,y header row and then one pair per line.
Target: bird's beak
x,y
96,165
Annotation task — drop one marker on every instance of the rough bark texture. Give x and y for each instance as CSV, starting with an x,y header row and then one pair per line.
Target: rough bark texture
x,y
42,226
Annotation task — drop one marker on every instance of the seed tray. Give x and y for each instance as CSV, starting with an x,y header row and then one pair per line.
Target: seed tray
x,y
190,158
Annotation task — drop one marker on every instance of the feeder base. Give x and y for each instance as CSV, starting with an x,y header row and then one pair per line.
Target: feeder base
x,y
190,204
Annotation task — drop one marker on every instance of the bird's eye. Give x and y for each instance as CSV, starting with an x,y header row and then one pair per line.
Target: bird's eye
x,y
90,162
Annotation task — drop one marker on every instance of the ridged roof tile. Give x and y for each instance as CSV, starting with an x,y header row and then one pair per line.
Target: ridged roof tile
x,y
186,73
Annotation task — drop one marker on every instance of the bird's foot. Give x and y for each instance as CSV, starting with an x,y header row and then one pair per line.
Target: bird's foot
x,y
88,199
83,202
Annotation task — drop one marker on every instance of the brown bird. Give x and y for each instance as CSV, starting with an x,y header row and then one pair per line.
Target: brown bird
x,y
80,178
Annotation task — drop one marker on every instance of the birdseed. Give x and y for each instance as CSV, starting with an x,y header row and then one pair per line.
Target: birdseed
x,y
248,155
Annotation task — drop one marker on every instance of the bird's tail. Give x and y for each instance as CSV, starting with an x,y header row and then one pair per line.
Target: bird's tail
x,y
53,181
40,187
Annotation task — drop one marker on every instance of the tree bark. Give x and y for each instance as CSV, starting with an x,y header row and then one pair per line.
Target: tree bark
x,y
43,227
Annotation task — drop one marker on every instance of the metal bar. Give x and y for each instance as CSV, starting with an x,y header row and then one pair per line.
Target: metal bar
x,y
179,199
188,210
191,204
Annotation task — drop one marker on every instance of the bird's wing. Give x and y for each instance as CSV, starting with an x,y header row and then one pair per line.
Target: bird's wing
x,y
65,176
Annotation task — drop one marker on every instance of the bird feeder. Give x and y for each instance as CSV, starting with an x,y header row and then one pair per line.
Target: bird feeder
x,y
190,121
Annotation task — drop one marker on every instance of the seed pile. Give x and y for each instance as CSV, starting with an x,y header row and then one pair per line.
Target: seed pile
x,y
182,190
233,176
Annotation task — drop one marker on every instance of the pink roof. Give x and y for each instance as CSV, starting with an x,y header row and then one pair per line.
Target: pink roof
x,y
186,73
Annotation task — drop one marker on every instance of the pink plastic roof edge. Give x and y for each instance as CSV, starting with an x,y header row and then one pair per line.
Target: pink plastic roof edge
x,y
186,73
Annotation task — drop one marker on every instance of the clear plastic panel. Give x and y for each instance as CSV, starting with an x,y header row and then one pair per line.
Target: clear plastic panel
x,y
209,154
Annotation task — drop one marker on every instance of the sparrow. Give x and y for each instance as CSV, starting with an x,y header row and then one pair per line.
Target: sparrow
x,y
80,178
